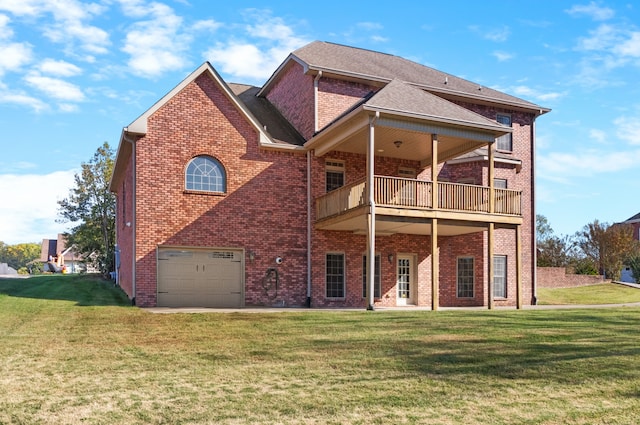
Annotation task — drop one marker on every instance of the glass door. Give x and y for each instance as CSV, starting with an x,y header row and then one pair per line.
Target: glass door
x,y
404,280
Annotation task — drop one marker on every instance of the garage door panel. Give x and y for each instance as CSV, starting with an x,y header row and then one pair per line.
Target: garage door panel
x,y
200,278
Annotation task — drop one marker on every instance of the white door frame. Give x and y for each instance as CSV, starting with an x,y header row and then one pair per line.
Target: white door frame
x,y
409,268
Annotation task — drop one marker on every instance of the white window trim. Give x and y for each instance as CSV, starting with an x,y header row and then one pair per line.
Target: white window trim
x,y
473,289
344,275
506,286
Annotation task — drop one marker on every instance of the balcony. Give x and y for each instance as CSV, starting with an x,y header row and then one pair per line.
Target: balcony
x,y
400,197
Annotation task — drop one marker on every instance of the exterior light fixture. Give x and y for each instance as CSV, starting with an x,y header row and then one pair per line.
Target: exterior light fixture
x,y
398,143
390,257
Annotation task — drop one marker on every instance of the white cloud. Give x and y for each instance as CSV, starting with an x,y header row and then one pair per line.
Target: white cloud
x,y
502,56
13,56
55,87
206,25
5,31
272,42
600,39
68,107
598,135
156,45
530,93
369,26
32,213
70,22
493,34
592,10
630,46
59,68
18,98
21,7
628,129
561,166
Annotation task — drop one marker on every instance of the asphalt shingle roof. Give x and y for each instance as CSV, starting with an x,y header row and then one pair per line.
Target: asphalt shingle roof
x,y
267,115
404,98
369,64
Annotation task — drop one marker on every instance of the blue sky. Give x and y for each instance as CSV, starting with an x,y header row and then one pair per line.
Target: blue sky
x,y
73,74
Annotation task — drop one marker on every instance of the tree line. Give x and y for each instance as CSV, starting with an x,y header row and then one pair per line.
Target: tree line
x,y
90,208
598,248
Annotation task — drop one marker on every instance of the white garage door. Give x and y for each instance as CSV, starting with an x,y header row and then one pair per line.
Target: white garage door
x,y
200,278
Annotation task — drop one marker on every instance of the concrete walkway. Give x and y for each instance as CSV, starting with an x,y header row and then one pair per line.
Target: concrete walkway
x,y
169,310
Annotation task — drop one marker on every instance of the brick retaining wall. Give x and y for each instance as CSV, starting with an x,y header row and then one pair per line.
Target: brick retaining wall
x,y
557,277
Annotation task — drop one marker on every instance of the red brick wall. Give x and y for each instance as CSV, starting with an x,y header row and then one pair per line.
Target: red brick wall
x,y
124,215
557,277
293,95
336,96
263,210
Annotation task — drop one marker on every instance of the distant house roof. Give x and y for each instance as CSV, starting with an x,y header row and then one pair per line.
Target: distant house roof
x,y
346,61
55,247
633,219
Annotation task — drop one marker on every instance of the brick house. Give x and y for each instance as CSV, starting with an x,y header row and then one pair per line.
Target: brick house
x,y
346,161
634,221
627,274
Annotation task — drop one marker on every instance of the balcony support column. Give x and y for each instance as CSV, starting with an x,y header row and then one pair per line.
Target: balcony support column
x,y
435,266
434,172
435,260
371,216
492,173
490,268
518,267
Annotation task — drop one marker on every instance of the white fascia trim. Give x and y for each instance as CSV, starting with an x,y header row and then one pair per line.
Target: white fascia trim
x,y
484,158
497,128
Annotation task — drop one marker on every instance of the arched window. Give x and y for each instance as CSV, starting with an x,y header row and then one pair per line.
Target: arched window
x,y
205,174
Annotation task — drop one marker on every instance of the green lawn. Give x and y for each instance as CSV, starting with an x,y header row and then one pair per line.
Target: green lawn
x,y
605,293
72,352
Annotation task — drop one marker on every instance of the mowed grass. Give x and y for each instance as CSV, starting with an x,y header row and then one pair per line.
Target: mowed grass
x,y
72,352
605,293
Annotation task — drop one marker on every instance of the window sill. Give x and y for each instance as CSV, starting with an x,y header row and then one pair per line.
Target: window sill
x,y
203,192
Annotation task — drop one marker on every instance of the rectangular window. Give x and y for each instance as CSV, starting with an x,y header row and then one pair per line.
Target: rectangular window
x,y
504,143
500,276
376,277
465,277
334,175
407,173
467,180
500,183
335,287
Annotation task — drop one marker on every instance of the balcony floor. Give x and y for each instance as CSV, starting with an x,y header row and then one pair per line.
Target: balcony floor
x,y
390,221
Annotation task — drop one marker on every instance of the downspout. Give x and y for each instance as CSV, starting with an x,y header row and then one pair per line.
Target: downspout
x,y
534,243
308,228
133,219
371,228
316,81
315,101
